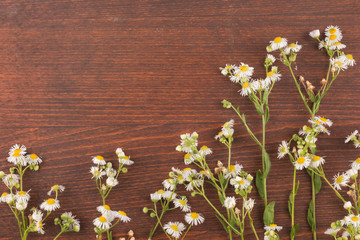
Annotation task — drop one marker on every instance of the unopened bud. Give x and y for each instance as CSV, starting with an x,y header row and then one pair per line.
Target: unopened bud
x,y
333,69
237,211
308,83
301,78
323,81
131,233
219,164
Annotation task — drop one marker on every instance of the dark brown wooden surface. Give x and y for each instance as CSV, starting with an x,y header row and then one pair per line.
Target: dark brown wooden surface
x,y
80,78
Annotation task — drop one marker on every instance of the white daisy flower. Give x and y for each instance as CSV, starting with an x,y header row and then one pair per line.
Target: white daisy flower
x,y
194,218
203,174
169,194
347,205
278,43
340,180
188,142
339,63
39,227
315,33
125,160
37,215
189,158
182,203
352,136
348,59
122,216
353,220
292,47
110,172
225,71
227,130
239,182
11,179
333,38
33,159
234,170
246,89
352,173
230,202
330,30
59,188
270,58
99,160
337,46
174,229
305,130
104,209
22,196
316,161
50,205
194,183
302,162
273,227
187,172
249,204
102,222
324,121
16,155
21,205
7,198
332,232
283,149
169,184
204,150
244,71
356,164
111,182
97,172
157,195
272,76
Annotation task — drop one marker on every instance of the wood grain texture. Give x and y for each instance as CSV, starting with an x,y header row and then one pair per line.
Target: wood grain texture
x,y
84,77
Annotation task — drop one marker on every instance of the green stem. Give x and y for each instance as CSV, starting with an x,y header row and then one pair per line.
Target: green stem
x,y
186,232
263,158
58,234
313,200
252,227
293,202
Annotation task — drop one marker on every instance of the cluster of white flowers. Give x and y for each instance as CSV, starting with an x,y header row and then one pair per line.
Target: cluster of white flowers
x,y
242,75
175,229
68,222
271,232
104,222
354,137
343,179
18,156
349,227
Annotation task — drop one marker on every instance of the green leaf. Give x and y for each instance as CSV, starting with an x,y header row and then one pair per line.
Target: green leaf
x,y
221,198
267,114
310,217
317,183
294,231
297,187
289,204
311,96
266,96
259,184
222,223
267,164
269,214
313,150
259,109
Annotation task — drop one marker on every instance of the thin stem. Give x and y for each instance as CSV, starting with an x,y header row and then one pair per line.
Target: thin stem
x,y
313,200
186,232
252,227
58,234
263,158
293,201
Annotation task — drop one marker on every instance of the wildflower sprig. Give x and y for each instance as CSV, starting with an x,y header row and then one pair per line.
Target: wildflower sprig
x,y
258,91
67,223
17,199
221,178
100,171
169,200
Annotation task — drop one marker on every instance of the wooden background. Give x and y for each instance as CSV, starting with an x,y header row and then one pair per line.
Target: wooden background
x,y
80,78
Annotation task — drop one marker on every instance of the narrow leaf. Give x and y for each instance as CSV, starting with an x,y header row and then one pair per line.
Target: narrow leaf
x,y
269,214
259,184
310,217
294,231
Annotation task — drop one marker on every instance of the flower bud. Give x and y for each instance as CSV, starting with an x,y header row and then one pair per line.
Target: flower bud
x,y
124,170
226,104
145,210
2,174
152,215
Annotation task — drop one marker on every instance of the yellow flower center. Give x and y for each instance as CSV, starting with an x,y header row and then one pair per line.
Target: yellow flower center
x,y
273,225
323,119
174,227
242,182
332,37
292,45
232,168
194,215
244,68
318,122
99,157
220,133
269,74
33,156
358,160
122,213
107,207
55,186
4,194
316,158
126,157
355,219
204,148
301,160
337,43
40,225
102,219
180,178
160,191
338,63
245,85
182,202
50,201
332,30
277,39
350,57
283,149
17,152
228,67
22,193
187,169
187,156
97,173
339,179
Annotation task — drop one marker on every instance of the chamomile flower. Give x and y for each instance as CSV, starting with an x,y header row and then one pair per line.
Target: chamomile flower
x,y
187,172
315,33
339,63
104,209
352,173
56,188
330,30
182,203
272,76
233,171
333,38
99,160
337,46
204,150
244,71
169,184
356,164
278,43
122,216
340,180
227,130
7,197
194,218
246,89
194,183
37,215
33,159
323,121
249,204
110,172
302,162
169,194
22,196
230,202
226,70
174,229
316,161
353,220
352,136
347,205
270,58
273,227
21,205
123,158
156,196
239,182
102,222
39,227
50,205
97,172
16,155
283,149
188,142
348,59
111,182
305,130
292,47
11,179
